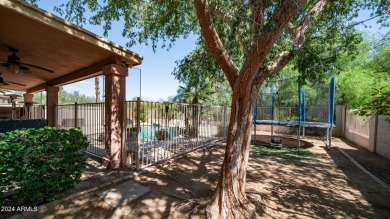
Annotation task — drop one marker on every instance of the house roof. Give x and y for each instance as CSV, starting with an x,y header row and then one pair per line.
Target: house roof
x,y
46,40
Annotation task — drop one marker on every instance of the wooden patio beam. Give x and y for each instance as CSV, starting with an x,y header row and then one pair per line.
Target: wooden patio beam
x,y
79,75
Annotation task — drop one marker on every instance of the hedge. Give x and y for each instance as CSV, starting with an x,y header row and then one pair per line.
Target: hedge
x,y
38,165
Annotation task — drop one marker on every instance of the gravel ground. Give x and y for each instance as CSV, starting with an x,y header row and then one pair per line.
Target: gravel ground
x,y
331,187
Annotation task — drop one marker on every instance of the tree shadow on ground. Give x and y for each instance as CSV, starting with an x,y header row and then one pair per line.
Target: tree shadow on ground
x,y
177,188
375,163
374,194
188,182
309,189
327,188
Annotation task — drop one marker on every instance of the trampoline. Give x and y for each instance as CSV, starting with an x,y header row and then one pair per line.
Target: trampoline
x,y
298,110
293,124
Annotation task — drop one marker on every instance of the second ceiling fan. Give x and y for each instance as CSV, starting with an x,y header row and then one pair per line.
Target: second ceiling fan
x,y
14,65
5,83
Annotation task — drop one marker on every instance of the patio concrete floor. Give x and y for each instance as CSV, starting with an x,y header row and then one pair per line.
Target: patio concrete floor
x,y
122,194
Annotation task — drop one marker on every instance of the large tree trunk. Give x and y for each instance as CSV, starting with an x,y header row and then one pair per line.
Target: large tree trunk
x,y
229,199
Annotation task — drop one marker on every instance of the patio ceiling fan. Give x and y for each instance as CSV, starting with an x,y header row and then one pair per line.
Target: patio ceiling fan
x,y
5,83
14,65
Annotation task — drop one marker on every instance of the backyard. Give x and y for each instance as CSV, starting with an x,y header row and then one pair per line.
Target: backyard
x,y
328,186
192,140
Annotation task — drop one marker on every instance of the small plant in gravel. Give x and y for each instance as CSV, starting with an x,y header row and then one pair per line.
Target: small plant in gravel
x,y
38,165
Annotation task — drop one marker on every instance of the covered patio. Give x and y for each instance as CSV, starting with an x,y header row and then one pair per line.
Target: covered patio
x,y
42,52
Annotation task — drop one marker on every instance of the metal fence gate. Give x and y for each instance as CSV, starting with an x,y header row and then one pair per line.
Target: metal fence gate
x,y
156,131
89,118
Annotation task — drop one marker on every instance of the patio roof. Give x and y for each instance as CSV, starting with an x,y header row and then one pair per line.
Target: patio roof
x,y
46,40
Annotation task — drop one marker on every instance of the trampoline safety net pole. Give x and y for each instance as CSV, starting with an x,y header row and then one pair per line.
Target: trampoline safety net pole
x,y
303,112
332,89
254,123
272,114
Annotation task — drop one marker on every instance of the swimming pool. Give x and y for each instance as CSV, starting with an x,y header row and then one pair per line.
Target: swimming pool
x,y
148,132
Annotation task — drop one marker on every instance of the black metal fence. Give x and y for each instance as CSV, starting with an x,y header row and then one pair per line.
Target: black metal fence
x,y
157,131
154,131
89,118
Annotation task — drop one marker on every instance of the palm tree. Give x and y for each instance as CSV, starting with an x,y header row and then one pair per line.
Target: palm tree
x,y
194,92
97,89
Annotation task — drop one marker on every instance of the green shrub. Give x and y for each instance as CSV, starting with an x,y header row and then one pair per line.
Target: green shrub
x,y
40,164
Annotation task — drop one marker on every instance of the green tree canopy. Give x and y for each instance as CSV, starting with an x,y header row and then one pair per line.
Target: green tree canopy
x,y
366,75
65,97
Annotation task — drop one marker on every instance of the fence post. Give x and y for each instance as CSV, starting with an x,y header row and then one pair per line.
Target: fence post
x,y
224,122
137,158
43,114
375,133
344,121
199,110
55,115
124,135
75,115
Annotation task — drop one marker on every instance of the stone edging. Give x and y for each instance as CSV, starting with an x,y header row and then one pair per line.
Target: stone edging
x,y
383,184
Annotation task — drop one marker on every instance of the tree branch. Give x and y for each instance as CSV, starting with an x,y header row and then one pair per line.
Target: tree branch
x,y
271,32
279,62
213,41
363,21
257,10
298,33
222,16
291,29
230,23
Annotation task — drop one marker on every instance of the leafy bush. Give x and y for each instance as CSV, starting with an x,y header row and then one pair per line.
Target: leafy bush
x,y
380,104
40,164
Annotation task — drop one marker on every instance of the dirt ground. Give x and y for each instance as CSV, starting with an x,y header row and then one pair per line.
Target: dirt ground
x,y
331,187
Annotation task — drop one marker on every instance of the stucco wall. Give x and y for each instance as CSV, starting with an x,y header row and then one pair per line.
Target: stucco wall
x,y
358,129
358,139
372,133
338,131
383,137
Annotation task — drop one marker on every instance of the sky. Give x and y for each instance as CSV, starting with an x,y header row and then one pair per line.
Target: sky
x,y
157,82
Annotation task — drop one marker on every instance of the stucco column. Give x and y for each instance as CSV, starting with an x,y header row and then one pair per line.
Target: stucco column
x,y
338,130
51,103
115,94
28,102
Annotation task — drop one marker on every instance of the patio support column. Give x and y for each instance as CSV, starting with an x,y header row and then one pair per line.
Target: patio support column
x,y
51,103
28,102
115,94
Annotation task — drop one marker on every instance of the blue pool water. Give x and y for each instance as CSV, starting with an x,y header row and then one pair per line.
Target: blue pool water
x,y
148,131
